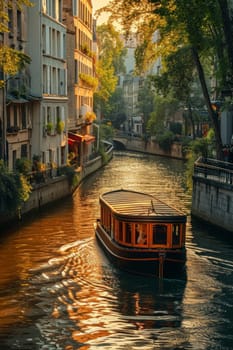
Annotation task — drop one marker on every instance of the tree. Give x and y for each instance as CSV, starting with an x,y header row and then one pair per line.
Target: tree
x,y
163,107
110,64
145,101
115,110
206,33
11,60
107,83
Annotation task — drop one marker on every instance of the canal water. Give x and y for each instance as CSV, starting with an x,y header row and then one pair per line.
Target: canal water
x,y
59,291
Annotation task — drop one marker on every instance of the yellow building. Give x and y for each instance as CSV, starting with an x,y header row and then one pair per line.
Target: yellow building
x,y
81,80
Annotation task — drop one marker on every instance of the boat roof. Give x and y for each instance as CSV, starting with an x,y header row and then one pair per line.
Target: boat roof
x,y
137,205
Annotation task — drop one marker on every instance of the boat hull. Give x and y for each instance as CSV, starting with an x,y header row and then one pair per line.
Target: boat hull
x,y
162,263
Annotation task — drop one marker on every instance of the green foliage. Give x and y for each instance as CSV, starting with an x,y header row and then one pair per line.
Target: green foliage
x,y
111,63
107,81
114,109
163,109
145,100
4,19
11,60
24,189
176,128
192,35
14,189
75,181
90,81
165,140
177,75
111,48
23,166
106,132
202,147
60,126
72,175
49,127
103,154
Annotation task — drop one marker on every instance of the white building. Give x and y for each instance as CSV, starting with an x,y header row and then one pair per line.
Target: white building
x,y
48,73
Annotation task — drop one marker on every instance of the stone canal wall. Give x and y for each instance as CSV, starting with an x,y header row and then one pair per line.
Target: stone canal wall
x,y
150,147
212,198
57,188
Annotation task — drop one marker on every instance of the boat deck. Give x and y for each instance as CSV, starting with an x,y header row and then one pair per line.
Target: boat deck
x,y
125,202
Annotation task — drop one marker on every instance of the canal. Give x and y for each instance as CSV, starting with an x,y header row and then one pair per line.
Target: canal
x,y
59,291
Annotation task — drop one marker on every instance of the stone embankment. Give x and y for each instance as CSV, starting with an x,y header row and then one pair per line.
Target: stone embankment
x,y
151,146
212,197
56,188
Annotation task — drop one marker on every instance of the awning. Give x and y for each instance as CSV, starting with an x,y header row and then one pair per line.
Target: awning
x,y
70,141
75,137
80,138
88,138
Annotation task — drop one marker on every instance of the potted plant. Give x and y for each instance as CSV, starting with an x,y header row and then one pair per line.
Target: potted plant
x,y
49,128
60,126
90,117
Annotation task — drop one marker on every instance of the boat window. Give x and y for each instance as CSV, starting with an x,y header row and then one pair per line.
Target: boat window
x,y
128,232
141,234
120,231
159,234
175,234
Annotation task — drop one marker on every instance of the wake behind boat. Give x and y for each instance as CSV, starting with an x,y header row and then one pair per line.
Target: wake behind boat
x,y
141,234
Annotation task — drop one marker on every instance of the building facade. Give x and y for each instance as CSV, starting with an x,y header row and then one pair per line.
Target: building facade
x,y
48,74
47,108
80,59
16,100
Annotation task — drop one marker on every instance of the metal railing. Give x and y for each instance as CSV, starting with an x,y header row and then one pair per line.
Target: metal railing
x,y
215,170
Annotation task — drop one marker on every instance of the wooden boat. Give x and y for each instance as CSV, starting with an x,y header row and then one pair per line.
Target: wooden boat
x,y
141,234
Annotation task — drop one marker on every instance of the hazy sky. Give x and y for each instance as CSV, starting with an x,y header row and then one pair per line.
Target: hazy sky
x,y
96,5
99,3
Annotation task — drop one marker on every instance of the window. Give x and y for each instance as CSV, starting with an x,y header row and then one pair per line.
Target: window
x,y
10,21
45,79
24,151
58,115
63,153
141,234
24,115
120,231
160,234
75,8
175,234
19,25
15,116
49,116
128,233
44,38
14,157
76,72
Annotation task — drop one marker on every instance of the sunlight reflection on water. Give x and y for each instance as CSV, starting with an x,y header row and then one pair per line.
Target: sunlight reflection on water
x,y
59,291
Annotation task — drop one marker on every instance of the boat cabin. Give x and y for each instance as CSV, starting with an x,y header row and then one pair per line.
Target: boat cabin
x,y
141,221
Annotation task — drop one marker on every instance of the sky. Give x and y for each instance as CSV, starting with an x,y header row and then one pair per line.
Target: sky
x,y
98,4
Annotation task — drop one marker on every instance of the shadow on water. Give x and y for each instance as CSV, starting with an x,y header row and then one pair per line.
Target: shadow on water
x,y
204,229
